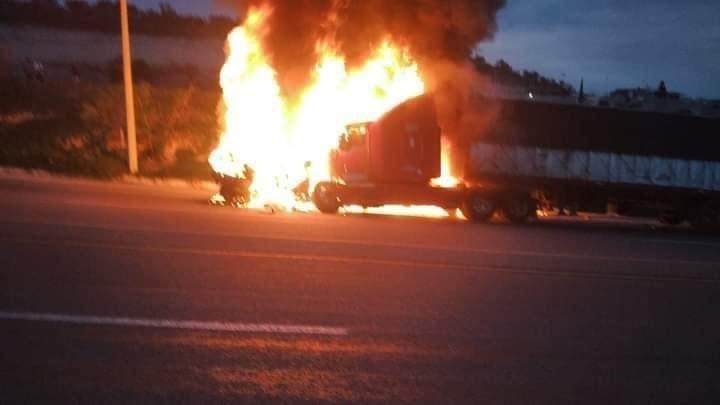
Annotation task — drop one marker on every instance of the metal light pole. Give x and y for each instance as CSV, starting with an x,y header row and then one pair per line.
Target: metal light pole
x,y
129,97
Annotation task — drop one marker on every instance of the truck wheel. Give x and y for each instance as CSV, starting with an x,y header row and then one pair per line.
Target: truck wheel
x,y
518,209
707,218
670,218
477,207
326,198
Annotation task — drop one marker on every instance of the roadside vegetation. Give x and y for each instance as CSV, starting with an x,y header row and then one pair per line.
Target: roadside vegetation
x,y
502,73
77,128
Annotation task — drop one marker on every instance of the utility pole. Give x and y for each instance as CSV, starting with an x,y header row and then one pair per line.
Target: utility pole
x,y
129,97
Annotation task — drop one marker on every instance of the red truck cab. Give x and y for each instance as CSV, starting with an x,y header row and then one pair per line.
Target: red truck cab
x,y
393,161
403,146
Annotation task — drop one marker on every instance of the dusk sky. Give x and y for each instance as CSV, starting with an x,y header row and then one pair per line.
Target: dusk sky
x,y
610,43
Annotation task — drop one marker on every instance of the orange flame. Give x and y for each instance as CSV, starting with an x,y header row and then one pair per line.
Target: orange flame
x,y
261,128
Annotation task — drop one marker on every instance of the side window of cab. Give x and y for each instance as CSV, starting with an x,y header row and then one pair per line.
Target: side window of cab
x,y
345,142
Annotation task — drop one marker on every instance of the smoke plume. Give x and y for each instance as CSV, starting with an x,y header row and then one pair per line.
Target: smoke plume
x,y
434,31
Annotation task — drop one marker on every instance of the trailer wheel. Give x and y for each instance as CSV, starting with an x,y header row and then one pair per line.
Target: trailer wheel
x,y
707,218
326,198
517,209
672,218
478,207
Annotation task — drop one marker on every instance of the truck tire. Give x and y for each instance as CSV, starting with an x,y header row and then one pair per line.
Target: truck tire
x,y
707,218
236,192
325,197
478,207
672,218
517,209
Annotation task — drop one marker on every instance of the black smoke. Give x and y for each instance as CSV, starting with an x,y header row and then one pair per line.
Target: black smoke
x,y
434,31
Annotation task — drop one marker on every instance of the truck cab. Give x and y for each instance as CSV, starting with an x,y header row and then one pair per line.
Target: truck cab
x,y
393,161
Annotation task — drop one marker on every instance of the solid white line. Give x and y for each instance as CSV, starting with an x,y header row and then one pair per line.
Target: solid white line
x,y
172,324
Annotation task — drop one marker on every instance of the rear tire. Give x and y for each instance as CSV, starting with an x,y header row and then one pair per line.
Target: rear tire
x,y
670,218
478,207
325,197
517,209
707,218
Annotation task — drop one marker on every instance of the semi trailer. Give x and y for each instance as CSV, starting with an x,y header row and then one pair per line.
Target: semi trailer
x,y
534,154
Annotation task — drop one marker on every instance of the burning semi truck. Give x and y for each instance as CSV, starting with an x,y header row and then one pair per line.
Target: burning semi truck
x,y
392,161
557,156
280,119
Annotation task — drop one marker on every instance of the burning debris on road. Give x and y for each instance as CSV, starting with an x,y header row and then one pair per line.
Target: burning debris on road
x,y
234,190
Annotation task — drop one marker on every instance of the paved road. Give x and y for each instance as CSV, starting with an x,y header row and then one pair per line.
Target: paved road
x,y
115,293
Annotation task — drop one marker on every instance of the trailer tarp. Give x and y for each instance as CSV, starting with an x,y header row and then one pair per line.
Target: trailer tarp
x,y
487,160
604,130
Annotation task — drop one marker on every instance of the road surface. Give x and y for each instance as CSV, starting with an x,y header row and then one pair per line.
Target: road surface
x,y
116,293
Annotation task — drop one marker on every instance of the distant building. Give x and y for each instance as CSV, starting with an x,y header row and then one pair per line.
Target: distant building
x,y
639,99
710,108
660,100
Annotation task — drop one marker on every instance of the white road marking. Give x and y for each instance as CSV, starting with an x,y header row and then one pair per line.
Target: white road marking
x,y
173,324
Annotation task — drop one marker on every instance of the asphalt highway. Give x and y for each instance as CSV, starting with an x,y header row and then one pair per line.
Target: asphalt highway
x,y
127,293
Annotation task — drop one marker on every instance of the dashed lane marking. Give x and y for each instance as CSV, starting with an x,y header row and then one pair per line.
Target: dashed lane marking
x,y
175,324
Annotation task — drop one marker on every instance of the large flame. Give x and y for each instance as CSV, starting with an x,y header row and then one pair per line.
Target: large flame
x,y
263,130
